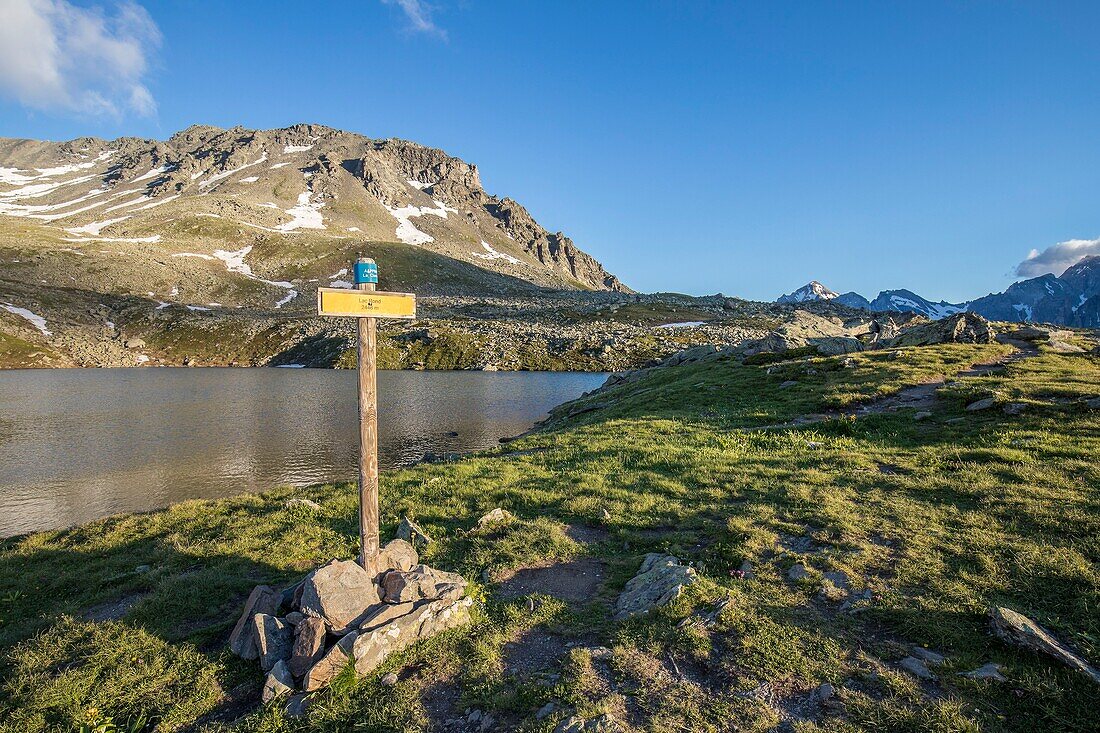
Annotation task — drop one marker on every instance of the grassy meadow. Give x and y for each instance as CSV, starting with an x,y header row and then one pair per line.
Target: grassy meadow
x,y
123,622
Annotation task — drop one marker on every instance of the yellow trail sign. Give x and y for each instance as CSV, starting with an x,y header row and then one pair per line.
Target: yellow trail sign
x,y
365,303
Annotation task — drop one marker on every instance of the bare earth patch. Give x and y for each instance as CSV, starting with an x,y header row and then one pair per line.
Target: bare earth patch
x,y
576,581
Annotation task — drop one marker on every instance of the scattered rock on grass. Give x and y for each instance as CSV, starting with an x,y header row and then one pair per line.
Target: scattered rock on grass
x,y
659,581
1015,408
983,404
545,710
927,655
1015,628
411,532
991,671
916,667
798,571
922,415
389,680
576,724
497,516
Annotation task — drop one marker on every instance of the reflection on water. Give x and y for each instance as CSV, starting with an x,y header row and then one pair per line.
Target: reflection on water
x,y
77,444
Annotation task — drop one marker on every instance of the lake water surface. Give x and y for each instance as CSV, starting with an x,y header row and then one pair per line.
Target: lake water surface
x,y
79,444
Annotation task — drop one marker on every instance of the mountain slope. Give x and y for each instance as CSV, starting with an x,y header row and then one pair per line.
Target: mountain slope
x,y
274,202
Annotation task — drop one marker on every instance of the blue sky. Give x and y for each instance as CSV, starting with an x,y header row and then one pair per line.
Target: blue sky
x,y
691,146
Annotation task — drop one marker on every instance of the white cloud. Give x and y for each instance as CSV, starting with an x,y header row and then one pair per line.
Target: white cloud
x,y
419,15
57,56
1057,258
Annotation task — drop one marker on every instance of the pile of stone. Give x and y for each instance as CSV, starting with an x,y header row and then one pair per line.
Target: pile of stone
x,y
342,614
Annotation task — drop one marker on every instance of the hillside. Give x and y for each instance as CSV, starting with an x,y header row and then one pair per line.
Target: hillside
x,y
250,223
849,520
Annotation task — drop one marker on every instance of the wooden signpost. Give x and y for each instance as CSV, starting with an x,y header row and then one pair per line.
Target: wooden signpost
x,y
366,304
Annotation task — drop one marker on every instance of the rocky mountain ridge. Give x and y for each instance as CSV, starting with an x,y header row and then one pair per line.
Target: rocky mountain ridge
x,y
1070,299
276,186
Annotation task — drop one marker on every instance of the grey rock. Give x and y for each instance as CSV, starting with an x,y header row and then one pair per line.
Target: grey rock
x,y
798,571
545,710
330,665
916,667
990,671
1093,403
389,680
242,640
1015,408
297,705
838,578
963,328
274,640
496,516
305,503
309,645
788,383
384,613
339,592
421,583
824,691
928,655
983,404
134,343
575,724
411,532
397,555
922,415
426,620
294,618
1017,629
659,581
278,682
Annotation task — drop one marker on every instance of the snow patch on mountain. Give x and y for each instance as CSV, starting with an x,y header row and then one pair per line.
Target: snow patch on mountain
x,y
811,291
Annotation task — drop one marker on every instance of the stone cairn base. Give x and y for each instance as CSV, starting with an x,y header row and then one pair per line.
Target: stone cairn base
x,y
340,613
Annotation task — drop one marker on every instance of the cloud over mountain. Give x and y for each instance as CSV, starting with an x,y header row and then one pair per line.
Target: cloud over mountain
x,y
56,56
1057,258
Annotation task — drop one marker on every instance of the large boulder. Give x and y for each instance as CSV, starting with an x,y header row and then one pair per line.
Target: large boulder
x,y
1016,628
659,581
384,613
274,640
961,328
421,583
309,645
397,555
242,640
330,665
339,592
278,682
426,620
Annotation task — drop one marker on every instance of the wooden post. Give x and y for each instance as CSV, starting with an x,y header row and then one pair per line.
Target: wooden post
x,y
366,278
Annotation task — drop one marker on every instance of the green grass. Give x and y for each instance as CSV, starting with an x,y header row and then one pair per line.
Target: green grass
x,y
938,518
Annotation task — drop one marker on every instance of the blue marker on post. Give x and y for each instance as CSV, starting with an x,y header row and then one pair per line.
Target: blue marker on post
x,y
366,271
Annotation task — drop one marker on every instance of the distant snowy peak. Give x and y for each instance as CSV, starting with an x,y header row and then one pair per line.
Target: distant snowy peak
x,y
908,301
811,291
